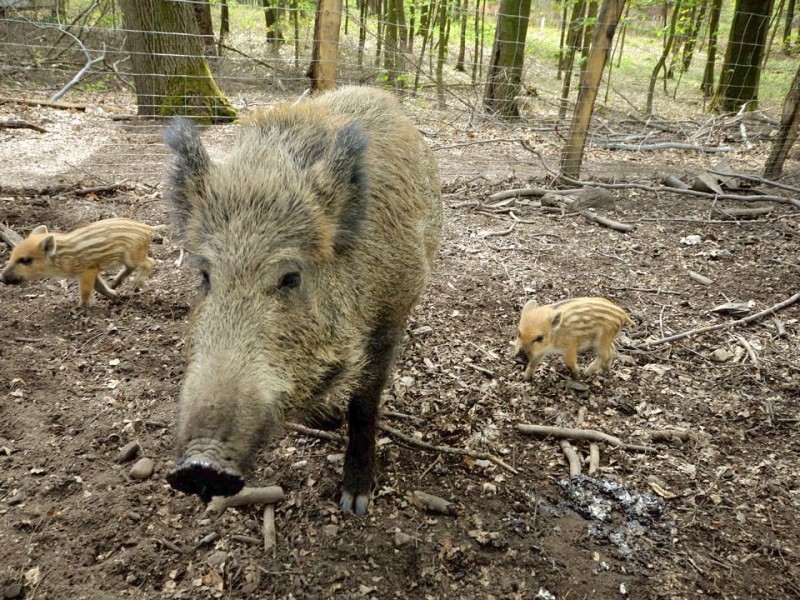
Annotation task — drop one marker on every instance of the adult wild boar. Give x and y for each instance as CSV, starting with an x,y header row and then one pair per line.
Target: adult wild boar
x,y
313,243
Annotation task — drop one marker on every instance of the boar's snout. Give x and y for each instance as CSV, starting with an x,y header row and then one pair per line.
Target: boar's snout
x,y
521,357
204,477
9,279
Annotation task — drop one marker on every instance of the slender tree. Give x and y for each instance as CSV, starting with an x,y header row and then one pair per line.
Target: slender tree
x,y
787,132
224,25
462,40
573,37
707,86
787,29
691,41
171,76
741,72
508,54
273,24
444,29
664,54
202,14
607,22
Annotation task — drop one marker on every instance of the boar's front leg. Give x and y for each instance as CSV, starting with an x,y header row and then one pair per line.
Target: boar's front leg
x,y
362,416
101,287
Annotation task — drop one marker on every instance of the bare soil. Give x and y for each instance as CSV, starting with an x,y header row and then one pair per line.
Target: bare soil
x,y
716,517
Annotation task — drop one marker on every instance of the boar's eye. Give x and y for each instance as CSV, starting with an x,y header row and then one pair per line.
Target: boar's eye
x,y
538,339
289,281
205,280
25,260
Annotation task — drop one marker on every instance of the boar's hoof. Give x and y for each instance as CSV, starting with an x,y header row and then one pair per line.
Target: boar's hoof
x,y
204,478
357,504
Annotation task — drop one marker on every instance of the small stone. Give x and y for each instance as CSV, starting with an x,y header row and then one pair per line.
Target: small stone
x,y
401,538
128,452
15,499
210,538
215,559
142,469
721,355
133,515
331,530
12,591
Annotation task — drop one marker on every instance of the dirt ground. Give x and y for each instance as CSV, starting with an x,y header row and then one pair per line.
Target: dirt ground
x,y
716,516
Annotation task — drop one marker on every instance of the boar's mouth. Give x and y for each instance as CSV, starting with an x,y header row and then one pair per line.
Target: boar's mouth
x,y
201,476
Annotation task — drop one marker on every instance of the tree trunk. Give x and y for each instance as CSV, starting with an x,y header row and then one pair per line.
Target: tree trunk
x,y
326,45
573,35
707,86
787,30
562,39
444,22
202,14
607,21
663,59
224,24
395,41
362,30
688,47
739,79
508,55
171,75
296,31
381,4
588,32
462,40
787,133
273,24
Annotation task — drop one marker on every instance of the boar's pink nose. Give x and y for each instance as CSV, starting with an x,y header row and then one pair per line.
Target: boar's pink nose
x,y
205,478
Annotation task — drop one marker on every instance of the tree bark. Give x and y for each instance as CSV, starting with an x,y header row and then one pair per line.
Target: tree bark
x,y
588,32
324,55
508,55
707,86
462,40
395,41
610,13
787,30
273,24
202,15
688,47
444,26
787,133
663,59
741,72
573,34
171,75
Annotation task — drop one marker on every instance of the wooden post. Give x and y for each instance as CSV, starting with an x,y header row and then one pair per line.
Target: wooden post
x,y
607,21
326,45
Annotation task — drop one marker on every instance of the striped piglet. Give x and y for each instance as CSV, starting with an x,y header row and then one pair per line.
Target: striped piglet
x,y
83,254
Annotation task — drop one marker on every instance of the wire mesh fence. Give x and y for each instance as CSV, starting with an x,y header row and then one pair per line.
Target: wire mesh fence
x,y
658,85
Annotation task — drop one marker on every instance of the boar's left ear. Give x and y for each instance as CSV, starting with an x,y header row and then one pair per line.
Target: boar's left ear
x,y
191,165
39,229
347,193
556,319
48,245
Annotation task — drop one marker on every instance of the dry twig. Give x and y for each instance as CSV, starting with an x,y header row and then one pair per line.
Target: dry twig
x,y
446,449
270,538
249,495
546,431
9,236
594,458
17,124
606,222
572,457
744,321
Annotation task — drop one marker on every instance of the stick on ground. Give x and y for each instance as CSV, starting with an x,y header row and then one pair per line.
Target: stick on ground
x,y
606,222
744,321
249,495
572,457
270,539
9,236
546,431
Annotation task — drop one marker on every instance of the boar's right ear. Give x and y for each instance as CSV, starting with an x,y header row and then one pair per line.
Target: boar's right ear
x,y
39,229
190,167
48,245
556,320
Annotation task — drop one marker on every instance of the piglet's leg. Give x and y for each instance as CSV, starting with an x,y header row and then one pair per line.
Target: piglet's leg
x,y
86,284
362,415
121,277
571,359
102,287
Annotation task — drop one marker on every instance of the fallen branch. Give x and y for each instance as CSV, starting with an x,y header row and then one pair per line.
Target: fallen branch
x,y
33,102
432,503
101,189
249,495
664,146
743,213
606,222
572,457
506,231
590,435
701,279
79,75
446,449
744,321
16,124
757,179
526,193
270,538
9,236
594,458
669,435
317,433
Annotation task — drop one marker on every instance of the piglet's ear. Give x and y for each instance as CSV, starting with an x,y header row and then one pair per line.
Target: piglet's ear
x,y
48,245
39,229
556,319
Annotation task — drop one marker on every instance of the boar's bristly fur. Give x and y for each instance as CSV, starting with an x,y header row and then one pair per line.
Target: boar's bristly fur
x,y
313,242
